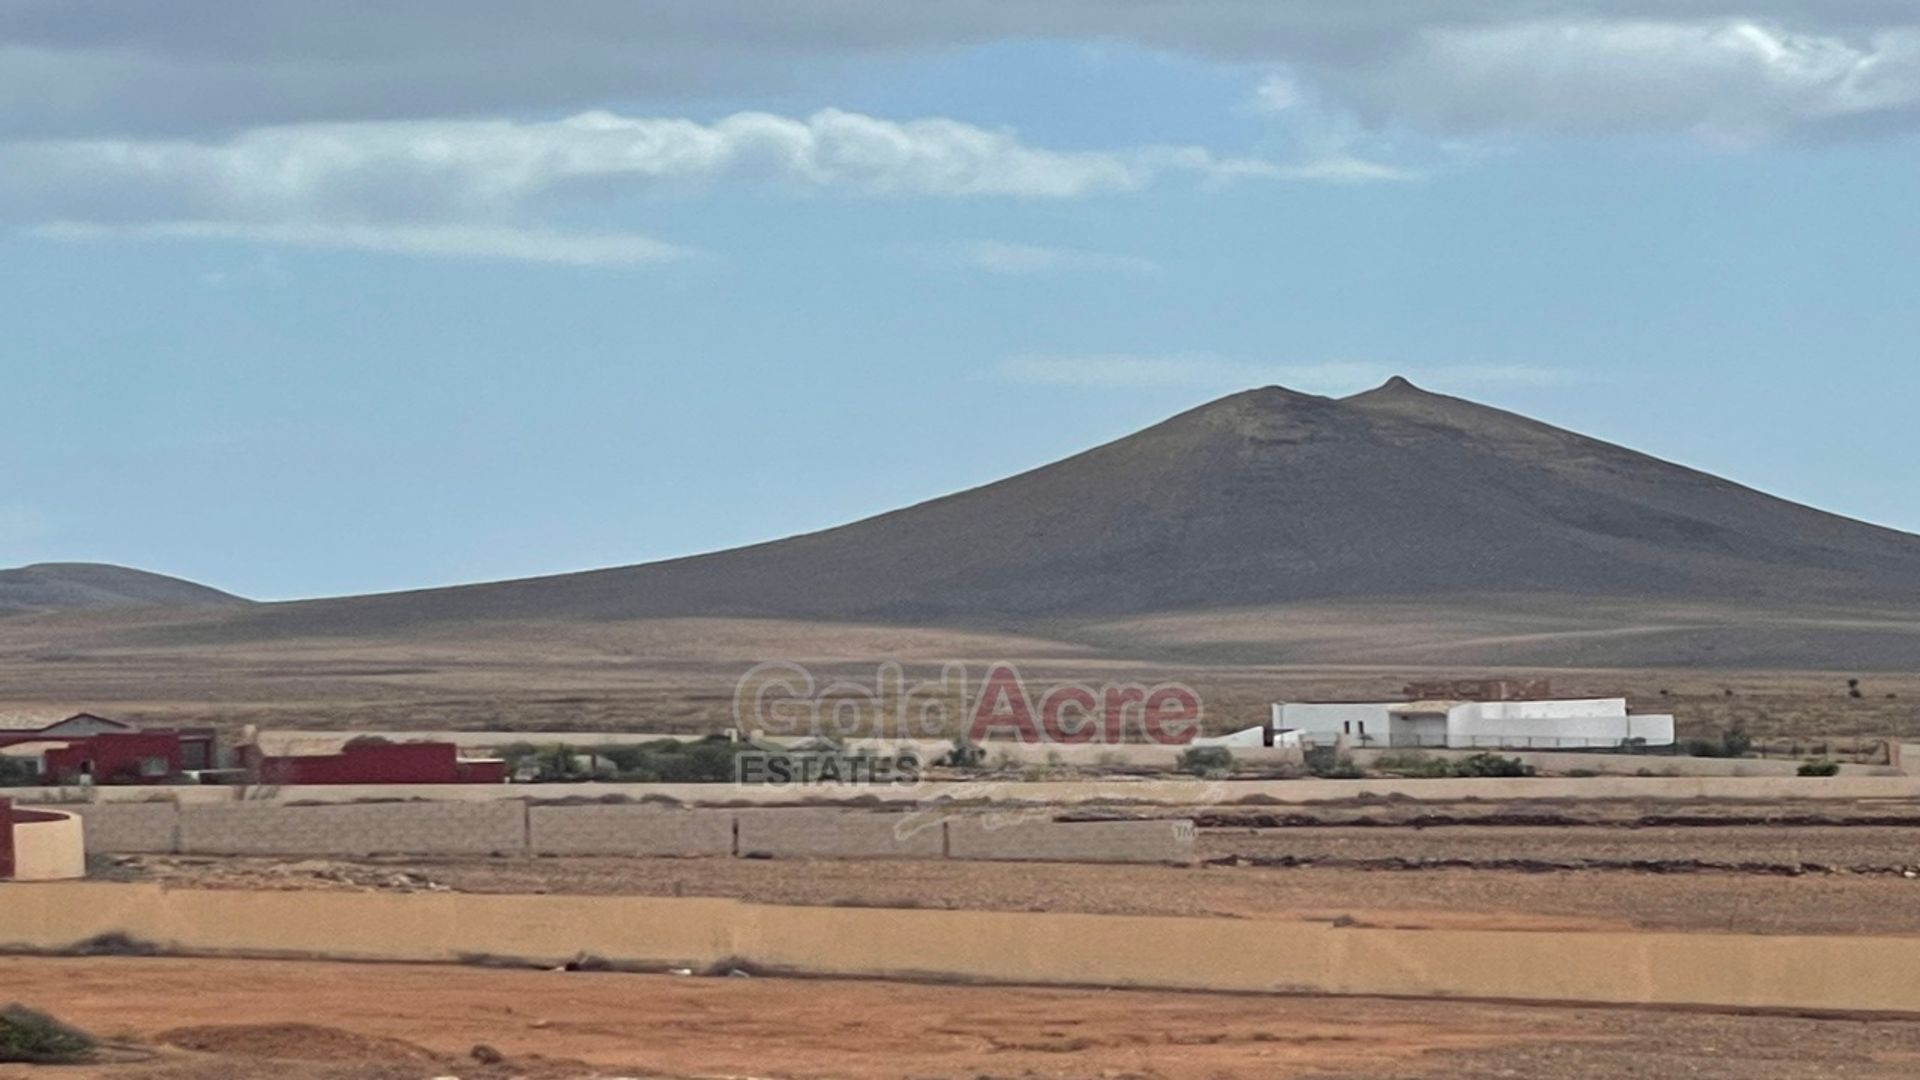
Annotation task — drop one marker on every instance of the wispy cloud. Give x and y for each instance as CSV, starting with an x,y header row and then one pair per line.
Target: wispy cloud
x,y
482,188
1452,67
999,257
1331,145
450,241
1206,371
418,168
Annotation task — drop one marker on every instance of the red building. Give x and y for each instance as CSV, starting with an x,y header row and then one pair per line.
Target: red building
x,y
85,748
6,839
375,762
146,757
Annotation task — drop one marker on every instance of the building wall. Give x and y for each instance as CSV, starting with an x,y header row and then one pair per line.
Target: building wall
x,y
1655,728
1325,722
1560,709
116,758
6,839
1484,724
1550,724
378,763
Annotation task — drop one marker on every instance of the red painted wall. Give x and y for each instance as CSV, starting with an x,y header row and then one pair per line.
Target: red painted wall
x,y
6,839
116,759
377,763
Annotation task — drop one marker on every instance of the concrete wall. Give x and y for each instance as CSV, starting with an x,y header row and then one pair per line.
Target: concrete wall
x,y
628,830
1238,955
839,834
994,836
514,828
376,829
148,828
1168,792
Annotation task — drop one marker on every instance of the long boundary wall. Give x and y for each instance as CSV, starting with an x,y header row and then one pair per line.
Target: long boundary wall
x,y
1173,792
517,828
1848,974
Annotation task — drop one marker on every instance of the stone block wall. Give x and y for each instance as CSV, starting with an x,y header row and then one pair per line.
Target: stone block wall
x,y
822,833
355,829
629,830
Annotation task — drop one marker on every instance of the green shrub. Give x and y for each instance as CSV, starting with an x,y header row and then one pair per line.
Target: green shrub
x,y
964,755
1733,742
16,773
1819,767
1487,765
1414,764
1582,774
32,1038
1206,760
1736,742
1326,763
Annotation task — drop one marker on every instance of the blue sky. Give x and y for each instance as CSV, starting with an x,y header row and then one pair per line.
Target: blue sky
x,y
297,315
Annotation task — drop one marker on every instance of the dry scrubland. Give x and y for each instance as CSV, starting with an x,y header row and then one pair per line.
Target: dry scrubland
x,y
679,676
237,1020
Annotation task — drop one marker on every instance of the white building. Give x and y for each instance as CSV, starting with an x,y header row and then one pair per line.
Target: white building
x,y
1577,723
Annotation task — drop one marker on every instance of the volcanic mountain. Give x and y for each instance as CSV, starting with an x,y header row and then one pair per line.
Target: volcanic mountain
x,y
47,587
1264,497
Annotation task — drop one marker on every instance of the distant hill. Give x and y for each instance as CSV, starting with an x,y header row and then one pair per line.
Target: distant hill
x,y
1265,497
56,587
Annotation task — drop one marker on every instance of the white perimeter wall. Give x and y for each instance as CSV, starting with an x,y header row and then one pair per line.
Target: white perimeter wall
x,y
1572,723
1323,722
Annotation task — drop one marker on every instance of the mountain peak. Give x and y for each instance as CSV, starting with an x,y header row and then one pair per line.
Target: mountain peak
x,y
1397,387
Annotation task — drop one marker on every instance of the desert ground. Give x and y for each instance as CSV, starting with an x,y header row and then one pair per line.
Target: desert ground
x,y
1861,879
1706,867
679,675
237,1020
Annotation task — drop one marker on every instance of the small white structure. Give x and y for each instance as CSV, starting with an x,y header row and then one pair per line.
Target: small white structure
x,y
1246,738
1564,723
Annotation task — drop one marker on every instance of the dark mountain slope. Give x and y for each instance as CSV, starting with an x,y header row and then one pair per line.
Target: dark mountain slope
x,y
49,587
1264,497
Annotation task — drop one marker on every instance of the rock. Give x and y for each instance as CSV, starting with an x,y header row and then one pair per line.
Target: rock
x,y
486,1055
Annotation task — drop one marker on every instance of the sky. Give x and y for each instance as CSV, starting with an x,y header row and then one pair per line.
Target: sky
x,y
300,304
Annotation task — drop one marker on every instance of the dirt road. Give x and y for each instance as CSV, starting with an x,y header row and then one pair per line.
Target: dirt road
x,y
231,1019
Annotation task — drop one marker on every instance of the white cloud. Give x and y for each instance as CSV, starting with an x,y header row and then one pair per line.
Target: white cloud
x,y
1737,78
454,241
1748,66
1207,371
998,257
1276,94
407,169
470,187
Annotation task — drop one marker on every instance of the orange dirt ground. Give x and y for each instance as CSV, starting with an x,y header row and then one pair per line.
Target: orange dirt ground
x,y
236,1020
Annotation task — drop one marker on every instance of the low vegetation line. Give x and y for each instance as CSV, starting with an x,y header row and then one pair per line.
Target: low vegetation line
x,y
1547,866
1233,820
